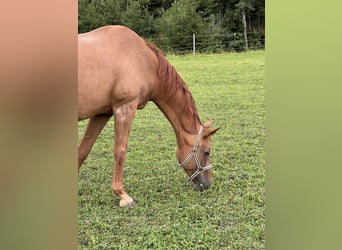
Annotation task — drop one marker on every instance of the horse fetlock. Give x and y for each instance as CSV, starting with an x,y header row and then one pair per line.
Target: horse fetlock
x,y
118,190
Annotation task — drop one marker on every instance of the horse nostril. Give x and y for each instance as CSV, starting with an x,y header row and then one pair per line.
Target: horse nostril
x,y
207,152
205,185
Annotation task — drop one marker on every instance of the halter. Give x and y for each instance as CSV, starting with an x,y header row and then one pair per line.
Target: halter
x,y
193,154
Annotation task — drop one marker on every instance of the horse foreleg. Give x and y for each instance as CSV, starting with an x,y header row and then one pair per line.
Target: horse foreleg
x,y
94,128
123,121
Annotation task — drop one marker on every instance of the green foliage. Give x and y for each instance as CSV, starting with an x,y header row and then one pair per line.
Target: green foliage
x,y
137,18
228,88
211,39
171,23
89,16
244,5
178,23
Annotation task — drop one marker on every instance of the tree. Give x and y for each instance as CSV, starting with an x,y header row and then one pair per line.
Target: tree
x,y
137,17
89,16
178,23
218,24
242,7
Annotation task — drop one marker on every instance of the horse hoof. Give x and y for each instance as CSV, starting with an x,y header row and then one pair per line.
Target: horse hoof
x,y
127,203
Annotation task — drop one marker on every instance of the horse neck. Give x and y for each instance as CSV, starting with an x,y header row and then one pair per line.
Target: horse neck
x,y
174,99
182,115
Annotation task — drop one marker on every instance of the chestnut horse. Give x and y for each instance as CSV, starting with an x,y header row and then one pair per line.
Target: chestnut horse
x,y
118,73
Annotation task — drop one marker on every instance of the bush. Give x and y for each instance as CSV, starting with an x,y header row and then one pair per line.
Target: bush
x,y
177,24
137,18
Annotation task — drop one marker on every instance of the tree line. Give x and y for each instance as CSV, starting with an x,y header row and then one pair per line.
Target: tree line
x,y
219,25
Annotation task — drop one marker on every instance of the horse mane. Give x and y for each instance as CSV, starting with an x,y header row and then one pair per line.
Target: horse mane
x,y
171,82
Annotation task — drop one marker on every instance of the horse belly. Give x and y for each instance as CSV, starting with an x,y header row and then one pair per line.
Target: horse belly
x,y
94,96
89,106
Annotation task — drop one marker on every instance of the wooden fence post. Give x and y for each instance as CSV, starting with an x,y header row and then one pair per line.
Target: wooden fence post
x,y
193,44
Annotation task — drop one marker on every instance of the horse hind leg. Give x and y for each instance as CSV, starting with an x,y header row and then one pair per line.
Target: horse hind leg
x,y
124,116
94,128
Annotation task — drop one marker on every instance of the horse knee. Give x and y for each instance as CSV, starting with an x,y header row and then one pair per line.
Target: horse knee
x,y
120,155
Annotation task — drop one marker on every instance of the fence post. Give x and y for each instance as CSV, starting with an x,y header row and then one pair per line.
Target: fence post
x,y
193,44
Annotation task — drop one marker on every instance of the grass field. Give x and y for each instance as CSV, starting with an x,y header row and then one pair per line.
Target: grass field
x,y
229,89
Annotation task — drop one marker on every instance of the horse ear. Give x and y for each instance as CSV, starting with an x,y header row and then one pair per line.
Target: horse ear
x,y
210,131
207,124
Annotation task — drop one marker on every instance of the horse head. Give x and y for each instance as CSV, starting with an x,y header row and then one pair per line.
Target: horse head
x,y
194,158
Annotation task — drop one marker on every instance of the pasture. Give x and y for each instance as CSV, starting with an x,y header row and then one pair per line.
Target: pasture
x,y
229,89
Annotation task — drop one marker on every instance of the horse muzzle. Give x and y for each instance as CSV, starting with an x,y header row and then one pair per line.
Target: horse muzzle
x,y
201,186
201,183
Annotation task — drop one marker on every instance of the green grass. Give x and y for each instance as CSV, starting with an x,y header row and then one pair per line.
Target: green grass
x,y
229,89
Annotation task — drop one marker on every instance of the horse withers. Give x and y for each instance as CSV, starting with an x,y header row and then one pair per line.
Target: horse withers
x,y
118,73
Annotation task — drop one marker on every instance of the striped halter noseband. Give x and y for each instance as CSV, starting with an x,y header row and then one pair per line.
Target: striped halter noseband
x,y
193,154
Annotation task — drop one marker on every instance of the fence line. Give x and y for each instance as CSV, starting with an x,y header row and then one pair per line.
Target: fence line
x,y
209,43
190,36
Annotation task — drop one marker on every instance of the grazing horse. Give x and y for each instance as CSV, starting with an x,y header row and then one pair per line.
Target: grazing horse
x,y
118,73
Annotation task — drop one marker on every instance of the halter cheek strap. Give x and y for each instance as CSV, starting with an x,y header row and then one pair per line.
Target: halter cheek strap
x,y
193,154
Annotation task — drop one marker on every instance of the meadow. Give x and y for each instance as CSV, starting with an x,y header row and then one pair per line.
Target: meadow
x,y
228,88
